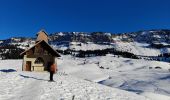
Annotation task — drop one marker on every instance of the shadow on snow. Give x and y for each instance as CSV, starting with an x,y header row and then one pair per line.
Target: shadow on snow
x,y
7,70
165,78
24,76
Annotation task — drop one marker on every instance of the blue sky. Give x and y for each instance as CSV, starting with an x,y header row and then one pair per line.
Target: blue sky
x,y
26,17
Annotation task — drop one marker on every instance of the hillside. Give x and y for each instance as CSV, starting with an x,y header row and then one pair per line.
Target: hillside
x,y
98,78
149,44
18,85
96,65
149,36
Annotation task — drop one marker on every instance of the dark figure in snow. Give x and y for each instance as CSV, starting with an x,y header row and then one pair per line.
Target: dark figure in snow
x,y
53,69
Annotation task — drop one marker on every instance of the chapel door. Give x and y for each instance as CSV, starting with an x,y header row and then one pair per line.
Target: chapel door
x,y
28,66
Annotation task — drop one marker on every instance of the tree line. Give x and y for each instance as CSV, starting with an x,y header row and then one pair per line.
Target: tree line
x,y
92,53
10,52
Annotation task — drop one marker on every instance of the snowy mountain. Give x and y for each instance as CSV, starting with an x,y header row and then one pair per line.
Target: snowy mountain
x,y
141,43
150,36
20,42
93,66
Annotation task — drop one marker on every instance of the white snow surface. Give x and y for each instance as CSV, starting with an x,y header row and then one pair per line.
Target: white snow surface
x,y
138,76
21,85
89,46
93,78
137,48
82,46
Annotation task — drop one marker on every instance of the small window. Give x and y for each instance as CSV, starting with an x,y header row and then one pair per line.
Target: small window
x,y
39,60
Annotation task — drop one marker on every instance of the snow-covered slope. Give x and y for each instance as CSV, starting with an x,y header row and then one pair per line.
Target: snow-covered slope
x,y
78,78
20,42
138,76
88,46
81,46
145,43
18,85
143,49
78,68
138,48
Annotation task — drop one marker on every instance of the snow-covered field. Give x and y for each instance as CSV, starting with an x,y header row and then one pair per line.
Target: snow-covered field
x,y
89,46
82,46
93,78
139,48
142,77
136,48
